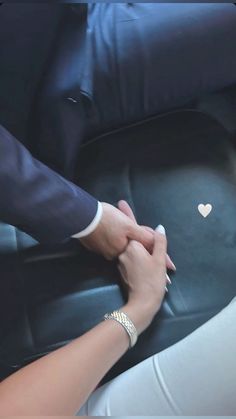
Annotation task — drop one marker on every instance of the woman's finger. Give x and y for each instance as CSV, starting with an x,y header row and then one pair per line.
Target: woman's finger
x,y
160,246
169,263
168,279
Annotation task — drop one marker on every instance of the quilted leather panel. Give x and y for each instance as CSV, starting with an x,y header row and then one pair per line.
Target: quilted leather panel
x,y
165,168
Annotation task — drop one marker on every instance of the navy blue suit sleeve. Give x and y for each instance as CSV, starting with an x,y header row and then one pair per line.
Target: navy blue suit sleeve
x,y
36,199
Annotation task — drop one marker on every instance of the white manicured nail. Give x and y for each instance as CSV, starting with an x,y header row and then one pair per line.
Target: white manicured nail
x,y
168,279
166,289
175,269
161,229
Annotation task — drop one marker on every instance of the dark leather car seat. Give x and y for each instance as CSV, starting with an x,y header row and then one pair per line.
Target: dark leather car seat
x,y
164,167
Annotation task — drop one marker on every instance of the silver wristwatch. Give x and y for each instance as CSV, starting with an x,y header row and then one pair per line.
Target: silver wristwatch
x,y
125,321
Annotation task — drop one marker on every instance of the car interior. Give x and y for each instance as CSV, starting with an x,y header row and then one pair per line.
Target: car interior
x,y
151,89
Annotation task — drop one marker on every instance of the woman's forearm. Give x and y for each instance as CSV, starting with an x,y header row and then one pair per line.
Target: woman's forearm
x,y
59,383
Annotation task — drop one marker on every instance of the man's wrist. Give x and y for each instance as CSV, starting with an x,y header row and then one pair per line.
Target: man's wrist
x,y
93,225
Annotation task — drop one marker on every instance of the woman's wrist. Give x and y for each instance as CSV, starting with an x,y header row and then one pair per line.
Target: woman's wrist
x,y
141,314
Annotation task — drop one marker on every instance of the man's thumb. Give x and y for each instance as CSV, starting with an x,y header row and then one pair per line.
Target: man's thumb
x,y
142,235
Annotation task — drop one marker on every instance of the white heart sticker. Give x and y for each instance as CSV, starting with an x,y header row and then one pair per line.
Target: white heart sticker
x,y
204,209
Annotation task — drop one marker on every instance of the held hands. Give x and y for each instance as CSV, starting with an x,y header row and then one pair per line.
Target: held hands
x,y
125,208
114,232
116,228
146,279
142,256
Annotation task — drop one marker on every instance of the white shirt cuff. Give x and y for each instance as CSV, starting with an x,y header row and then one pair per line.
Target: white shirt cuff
x,y
92,226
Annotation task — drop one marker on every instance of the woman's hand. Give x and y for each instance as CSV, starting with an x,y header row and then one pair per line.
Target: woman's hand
x,y
145,276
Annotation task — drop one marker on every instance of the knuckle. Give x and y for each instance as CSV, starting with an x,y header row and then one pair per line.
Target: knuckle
x,y
162,265
130,247
129,228
134,246
122,257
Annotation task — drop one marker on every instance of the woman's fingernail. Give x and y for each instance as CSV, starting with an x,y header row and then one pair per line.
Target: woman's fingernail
x,y
174,267
168,279
161,229
166,289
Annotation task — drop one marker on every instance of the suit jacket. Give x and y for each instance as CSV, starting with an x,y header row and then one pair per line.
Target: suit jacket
x,y
34,197
37,199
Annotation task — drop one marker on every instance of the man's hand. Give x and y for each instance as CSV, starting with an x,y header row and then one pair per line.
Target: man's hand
x,y
114,232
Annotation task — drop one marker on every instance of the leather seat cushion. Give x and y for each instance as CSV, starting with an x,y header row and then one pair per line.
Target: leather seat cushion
x,y
164,167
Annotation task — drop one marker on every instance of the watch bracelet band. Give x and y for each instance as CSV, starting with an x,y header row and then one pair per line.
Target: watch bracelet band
x,y
127,324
